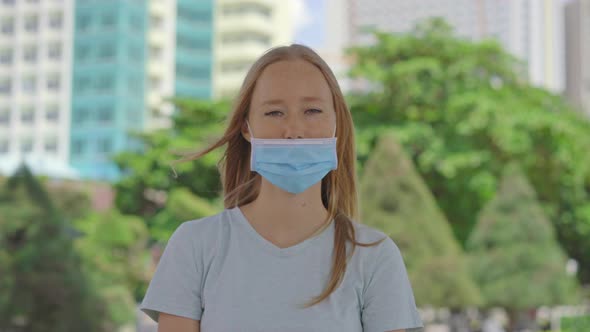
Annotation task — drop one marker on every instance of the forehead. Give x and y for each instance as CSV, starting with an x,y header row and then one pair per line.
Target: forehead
x,y
291,79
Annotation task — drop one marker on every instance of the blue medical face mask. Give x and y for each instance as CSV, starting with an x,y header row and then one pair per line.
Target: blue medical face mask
x,y
293,164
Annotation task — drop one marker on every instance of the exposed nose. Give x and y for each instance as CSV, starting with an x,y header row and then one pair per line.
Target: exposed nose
x,y
293,128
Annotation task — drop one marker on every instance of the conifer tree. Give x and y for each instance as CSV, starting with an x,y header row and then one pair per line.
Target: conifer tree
x,y
396,200
515,257
41,286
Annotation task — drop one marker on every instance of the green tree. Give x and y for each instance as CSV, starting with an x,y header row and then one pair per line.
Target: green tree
x,y
515,257
41,287
113,248
181,205
462,111
69,199
395,200
148,174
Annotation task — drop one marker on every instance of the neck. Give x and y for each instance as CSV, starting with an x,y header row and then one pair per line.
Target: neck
x,y
286,217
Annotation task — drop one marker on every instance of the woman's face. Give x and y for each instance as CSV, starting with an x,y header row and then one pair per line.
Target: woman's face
x,y
291,99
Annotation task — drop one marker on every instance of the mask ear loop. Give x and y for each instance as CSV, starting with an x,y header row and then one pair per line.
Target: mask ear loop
x,y
252,138
249,129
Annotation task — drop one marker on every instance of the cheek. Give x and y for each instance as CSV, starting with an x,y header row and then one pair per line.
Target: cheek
x,y
324,127
265,127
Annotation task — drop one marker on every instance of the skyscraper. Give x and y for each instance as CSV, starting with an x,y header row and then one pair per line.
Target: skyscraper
x,y
35,85
577,17
532,30
180,62
243,31
108,100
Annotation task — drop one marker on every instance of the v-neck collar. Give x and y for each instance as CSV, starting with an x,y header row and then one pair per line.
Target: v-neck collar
x,y
239,217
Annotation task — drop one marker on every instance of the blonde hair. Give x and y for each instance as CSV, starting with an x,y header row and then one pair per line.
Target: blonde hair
x,y
339,194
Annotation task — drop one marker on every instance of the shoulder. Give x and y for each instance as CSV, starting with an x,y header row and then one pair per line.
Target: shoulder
x,y
385,250
202,232
204,225
366,233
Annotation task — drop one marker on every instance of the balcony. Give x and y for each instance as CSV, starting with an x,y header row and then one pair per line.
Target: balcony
x,y
242,51
246,22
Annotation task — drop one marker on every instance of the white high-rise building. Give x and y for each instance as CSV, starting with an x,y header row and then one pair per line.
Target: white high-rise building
x,y
35,85
532,30
180,46
244,30
577,17
161,62
336,39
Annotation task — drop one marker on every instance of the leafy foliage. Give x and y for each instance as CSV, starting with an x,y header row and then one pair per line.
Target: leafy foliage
x,y
114,256
395,200
196,124
463,110
42,287
516,259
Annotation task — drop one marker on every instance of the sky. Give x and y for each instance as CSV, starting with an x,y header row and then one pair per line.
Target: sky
x,y
309,22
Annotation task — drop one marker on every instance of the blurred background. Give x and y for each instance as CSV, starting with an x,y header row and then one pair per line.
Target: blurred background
x,y
473,137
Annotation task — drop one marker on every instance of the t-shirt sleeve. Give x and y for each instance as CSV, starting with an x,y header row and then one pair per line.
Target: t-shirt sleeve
x,y
388,299
176,285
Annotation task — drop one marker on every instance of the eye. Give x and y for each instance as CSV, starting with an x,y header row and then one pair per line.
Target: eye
x,y
274,113
313,111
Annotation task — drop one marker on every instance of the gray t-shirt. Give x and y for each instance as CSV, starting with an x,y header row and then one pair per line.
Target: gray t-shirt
x,y
221,271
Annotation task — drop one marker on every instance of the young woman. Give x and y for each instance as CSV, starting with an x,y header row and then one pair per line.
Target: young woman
x,y
286,254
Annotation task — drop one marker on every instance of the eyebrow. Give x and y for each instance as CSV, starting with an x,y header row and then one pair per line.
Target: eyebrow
x,y
280,101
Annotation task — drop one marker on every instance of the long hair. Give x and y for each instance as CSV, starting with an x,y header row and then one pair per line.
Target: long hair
x,y
339,193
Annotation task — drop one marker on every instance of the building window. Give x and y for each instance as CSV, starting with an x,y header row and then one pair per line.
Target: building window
x,y
3,146
192,72
134,85
193,44
27,115
54,51
135,23
5,86
83,23
31,23
109,20
29,84
81,84
244,37
56,20
134,53
30,54
155,52
106,52
246,8
104,145
4,117
132,115
82,52
26,145
51,144
78,147
7,25
80,115
105,114
235,67
52,113
104,83
188,14
53,82
155,83
156,21
6,56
